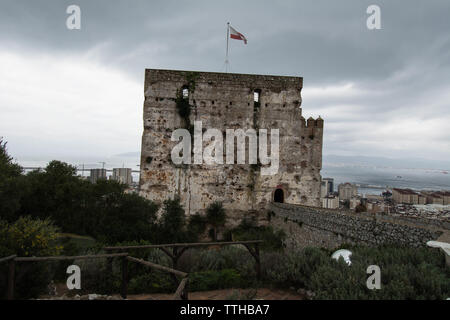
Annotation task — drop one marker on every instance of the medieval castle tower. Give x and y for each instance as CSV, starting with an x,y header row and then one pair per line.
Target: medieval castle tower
x,y
176,99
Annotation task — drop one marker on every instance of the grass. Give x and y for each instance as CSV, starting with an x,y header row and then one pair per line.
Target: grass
x,y
81,242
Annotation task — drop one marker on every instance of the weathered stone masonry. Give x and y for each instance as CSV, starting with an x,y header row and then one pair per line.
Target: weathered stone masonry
x,y
226,101
318,227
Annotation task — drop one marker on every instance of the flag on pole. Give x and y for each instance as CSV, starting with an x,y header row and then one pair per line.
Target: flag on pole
x,y
234,34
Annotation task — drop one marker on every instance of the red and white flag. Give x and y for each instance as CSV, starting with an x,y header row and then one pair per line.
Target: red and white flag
x,y
237,35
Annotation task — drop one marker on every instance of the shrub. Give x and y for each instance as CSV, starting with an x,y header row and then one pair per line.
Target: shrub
x,y
96,277
360,208
216,217
272,240
29,237
406,273
196,227
11,185
213,280
242,295
152,282
172,225
102,210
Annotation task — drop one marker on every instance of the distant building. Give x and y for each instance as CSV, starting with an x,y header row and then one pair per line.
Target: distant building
x,y
330,202
422,199
374,197
408,196
122,175
347,191
445,196
439,197
326,187
405,196
375,205
354,202
97,174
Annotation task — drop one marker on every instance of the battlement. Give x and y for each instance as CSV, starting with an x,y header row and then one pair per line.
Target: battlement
x,y
312,123
219,78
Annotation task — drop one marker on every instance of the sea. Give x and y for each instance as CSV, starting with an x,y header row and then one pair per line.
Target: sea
x,y
376,179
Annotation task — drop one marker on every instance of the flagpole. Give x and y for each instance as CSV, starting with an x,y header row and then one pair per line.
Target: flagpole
x,y
228,36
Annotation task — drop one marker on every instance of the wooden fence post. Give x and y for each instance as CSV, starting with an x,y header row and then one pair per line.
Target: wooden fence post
x,y
124,277
184,293
175,258
258,262
11,279
109,263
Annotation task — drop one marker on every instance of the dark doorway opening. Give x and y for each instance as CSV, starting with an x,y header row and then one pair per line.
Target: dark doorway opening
x,y
278,196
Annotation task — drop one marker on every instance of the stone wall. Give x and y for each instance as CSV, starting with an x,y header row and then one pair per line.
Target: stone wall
x,y
310,226
226,101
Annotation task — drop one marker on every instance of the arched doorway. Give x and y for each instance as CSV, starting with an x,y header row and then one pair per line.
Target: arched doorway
x,y
278,196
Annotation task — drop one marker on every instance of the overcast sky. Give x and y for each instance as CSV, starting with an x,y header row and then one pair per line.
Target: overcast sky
x,y
79,93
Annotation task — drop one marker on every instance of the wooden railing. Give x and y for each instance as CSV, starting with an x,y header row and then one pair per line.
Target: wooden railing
x,y
14,259
11,271
181,292
177,250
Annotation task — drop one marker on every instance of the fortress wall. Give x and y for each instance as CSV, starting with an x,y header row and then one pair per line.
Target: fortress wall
x,y
307,226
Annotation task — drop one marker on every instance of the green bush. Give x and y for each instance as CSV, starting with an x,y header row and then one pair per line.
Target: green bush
x,y
96,277
272,240
102,210
196,227
29,237
11,185
232,257
213,280
172,224
242,295
216,217
152,282
406,273
32,279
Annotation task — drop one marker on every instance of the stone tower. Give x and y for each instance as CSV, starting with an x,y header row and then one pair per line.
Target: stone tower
x,y
229,101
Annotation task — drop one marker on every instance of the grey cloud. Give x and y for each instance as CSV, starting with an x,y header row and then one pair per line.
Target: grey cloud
x,y
400,74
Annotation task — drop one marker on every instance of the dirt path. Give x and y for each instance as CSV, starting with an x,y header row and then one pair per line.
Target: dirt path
x,y
225,294
261,294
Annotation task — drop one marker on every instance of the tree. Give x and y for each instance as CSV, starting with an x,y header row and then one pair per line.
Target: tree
x,y
131,217
102,210
58,193
11,184
346,204
360,208
216,217
196,226
173,222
